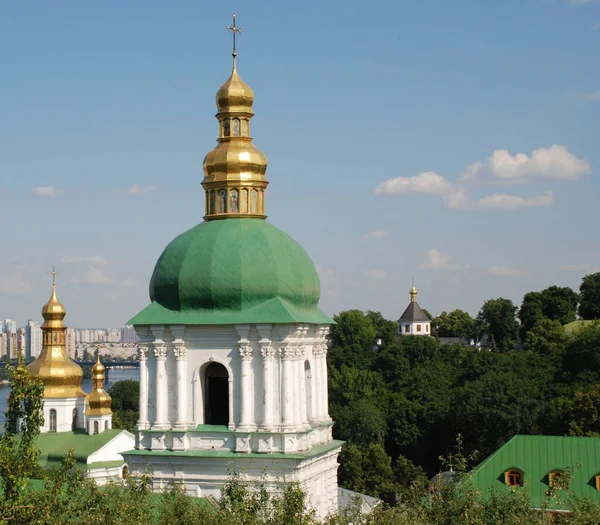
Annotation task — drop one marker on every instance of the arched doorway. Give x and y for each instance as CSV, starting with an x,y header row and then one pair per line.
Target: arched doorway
x,y
216,407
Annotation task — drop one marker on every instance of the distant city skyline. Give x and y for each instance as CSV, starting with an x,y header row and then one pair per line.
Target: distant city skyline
x,y
456,145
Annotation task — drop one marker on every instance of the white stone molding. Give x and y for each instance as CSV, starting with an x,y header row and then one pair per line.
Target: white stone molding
x,y
245,352
143,422
287,364
160,352
180,352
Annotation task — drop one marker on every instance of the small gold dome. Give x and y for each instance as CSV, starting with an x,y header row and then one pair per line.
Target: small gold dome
x,y
99,402
61,376
235,95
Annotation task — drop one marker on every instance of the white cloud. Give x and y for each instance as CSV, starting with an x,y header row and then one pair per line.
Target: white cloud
x,y
435,260
555,162
376,274
595,96
129,283
504,271
97,275
583,268
46,191
457,199
425,182
96,260
374,235
139,190
505,201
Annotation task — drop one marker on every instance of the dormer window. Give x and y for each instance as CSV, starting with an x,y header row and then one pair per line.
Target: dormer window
x,y
513,478
558,480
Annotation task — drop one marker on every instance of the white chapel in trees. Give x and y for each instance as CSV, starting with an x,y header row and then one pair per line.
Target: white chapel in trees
x,y
233,345
414,320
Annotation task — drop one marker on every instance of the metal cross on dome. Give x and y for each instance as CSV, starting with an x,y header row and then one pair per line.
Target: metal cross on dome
x,y
234,29
53,273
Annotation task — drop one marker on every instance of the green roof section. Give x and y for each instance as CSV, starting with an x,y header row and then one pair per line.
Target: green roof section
x,y
536,457
577,325
211,453
53,446
233,271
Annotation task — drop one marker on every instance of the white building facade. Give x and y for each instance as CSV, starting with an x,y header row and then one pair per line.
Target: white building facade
x,y
414,321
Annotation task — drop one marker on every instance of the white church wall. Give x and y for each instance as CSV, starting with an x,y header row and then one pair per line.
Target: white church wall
x,y
63,408
112,450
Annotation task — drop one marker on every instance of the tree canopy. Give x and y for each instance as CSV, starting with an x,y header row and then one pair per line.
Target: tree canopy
x,y
454,324
589,297
497,318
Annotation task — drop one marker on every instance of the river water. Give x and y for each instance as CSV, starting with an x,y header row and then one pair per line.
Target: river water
x,y
115,374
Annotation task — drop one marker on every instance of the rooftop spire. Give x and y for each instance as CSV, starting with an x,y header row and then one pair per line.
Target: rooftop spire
x,y
234,29
234,172
413,292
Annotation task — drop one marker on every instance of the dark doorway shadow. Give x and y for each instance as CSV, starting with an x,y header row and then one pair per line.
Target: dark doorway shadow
x,y
217,395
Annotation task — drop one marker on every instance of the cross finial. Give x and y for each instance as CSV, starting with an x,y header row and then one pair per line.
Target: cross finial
x,y
234,29
53,273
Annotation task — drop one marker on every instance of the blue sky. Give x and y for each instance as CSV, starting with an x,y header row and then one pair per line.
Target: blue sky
x,y
456,142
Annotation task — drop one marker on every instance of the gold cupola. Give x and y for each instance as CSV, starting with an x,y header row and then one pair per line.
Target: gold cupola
x,y
99,402
413,293
234,172
61,376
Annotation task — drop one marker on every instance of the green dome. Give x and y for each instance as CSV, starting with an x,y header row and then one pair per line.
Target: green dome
x,y
233,271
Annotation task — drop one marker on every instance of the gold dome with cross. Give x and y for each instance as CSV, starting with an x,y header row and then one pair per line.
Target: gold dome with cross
x,y
234,171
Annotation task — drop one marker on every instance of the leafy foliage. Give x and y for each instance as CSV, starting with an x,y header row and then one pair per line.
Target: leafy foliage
x,y
589,297
125,403
497,319
454,324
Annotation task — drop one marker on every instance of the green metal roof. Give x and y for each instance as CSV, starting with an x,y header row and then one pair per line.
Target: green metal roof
x,y
536,456
233,271
53,446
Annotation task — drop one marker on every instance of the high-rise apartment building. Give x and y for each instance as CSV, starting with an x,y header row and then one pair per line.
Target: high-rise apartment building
x,y
70,343
9,326
33,338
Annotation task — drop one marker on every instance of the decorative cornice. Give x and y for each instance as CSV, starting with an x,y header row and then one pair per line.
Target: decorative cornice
x,y
287,352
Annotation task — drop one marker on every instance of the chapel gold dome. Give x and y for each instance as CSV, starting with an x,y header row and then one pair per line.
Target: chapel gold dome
x,y
61,376
99,402
235,95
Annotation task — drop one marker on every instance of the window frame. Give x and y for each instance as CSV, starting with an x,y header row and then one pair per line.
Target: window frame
x,y
513,472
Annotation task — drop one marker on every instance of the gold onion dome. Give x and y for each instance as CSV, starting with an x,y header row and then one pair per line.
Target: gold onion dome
x,y
234,171
413,294
61,376
99,402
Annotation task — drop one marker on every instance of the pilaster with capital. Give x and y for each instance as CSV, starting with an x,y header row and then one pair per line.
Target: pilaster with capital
x,y
180,353
246,400
268,358
160,353
143,422
287,364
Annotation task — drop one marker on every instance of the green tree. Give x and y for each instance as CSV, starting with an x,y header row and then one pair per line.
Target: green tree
x,y
555,303
125,403
546,338
589,297
457,323
351,339
497,319
18,453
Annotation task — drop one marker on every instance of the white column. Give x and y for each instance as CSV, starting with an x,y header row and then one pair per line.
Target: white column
x,y
317,394
143,422
302,388
180,359
246,397
287,398
160,352
268,354
324,384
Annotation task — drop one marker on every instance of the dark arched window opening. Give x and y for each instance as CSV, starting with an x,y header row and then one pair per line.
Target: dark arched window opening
x,y
124,472
96,428
217,395
52,420
74,425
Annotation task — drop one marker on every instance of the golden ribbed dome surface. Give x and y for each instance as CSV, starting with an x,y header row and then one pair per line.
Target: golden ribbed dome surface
x,y
235,95
61,376
99,402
